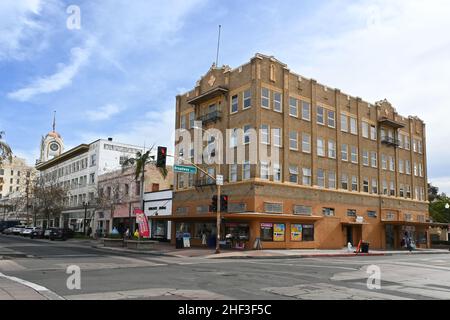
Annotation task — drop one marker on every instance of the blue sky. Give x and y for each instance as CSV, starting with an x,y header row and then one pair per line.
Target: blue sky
x,y
119,74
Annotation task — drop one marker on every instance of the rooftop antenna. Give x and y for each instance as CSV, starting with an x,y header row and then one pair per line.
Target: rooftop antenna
x,y
218,48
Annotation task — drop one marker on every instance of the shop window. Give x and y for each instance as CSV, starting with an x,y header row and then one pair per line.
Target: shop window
x,y
302,232
308,232
266,232
273,232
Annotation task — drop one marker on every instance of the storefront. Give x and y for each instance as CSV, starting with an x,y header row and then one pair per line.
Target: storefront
x,y
395,232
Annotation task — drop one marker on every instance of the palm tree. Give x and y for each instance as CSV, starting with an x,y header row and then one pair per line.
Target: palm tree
x,y
139,162
5,149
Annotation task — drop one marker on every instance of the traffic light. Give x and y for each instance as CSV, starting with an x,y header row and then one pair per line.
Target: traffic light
x,y
223,203
213,206
161,159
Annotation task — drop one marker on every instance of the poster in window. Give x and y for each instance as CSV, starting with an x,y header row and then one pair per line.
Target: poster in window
x,y
266,231
278,232
296,232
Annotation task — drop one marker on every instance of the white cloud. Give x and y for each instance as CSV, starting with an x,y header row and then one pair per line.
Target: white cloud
x,y
22,30
103,113
57,81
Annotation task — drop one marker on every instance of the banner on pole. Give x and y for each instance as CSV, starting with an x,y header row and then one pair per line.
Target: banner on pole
x,y
141,220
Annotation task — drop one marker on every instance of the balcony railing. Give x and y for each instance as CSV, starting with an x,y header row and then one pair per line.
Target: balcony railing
x,y
390,141
213,116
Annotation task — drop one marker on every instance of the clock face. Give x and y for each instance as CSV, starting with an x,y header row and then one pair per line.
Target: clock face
x,y
54,147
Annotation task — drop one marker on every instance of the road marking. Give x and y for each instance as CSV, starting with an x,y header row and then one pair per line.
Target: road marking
x,y
38,288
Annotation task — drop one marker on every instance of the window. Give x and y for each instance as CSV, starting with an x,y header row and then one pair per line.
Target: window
x,y
331,180
276,137
271,207
365,156
308,232
374,186
372,214
233,172
383,162
373,133
365,129
408,167
155,187
266,231
420,170
408,192
247,99
344,152
344,181
401,166
306,176
247,134
385,189
276,172
293,174
277,102
264,170
321,178
407,143
402,191
320,115
354,154
414,145
344,123
351,213
138,188
354,183
183,122
302,210
246,170
331,119
306,143
392,188
264,134
365,185
306,111
233,140
93,160
391,163
328,212
293,110
192,120
293,143
320,147
331,149
272,232
419,146
415,169
353,126
265,98
234,104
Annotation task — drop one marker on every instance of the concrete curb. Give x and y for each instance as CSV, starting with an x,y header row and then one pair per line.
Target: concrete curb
x,y
46,293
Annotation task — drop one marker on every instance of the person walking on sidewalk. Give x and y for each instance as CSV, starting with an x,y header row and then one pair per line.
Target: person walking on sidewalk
x,y
409,244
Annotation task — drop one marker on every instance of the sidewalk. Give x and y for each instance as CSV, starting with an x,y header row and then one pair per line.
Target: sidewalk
x,y
166,249
16,289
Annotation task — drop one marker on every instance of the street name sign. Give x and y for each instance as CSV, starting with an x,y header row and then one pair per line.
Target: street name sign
x,y
185,169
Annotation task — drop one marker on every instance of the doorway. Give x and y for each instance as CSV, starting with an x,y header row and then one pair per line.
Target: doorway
x,y
350,235
390,237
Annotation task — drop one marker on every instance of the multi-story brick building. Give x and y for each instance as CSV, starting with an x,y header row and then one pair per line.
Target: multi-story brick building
x,y
348,170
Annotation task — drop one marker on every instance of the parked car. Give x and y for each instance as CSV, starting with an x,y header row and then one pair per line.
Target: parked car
x,y
37,233
8,231
61,234
47,233
18,229
27,231
8,224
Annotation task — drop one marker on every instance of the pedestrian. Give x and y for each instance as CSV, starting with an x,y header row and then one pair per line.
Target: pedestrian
x,y
409,244
136,234
127,233
204,243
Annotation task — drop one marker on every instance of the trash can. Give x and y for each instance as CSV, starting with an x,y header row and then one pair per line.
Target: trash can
x,y
365,247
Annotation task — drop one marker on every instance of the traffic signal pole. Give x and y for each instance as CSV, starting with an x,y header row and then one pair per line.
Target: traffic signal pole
x,y
218,214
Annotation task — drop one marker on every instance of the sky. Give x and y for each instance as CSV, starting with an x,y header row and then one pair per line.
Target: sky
x,y
118,74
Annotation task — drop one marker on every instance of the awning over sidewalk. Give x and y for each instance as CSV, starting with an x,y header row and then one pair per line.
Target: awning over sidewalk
x,y
407,223
240,216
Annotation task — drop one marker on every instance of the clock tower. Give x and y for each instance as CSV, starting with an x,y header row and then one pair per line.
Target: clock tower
x,y
52,144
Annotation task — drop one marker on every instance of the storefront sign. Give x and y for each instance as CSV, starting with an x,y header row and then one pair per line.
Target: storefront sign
x,y
278,232
141,220
296,232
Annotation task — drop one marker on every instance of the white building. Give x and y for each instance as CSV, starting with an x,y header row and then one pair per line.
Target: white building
x,y
77,170
159,204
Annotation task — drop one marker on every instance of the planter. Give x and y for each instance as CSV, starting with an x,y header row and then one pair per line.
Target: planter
x,y
114,243
140,245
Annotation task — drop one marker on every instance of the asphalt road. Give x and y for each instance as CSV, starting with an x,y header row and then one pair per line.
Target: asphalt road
x,y
109,275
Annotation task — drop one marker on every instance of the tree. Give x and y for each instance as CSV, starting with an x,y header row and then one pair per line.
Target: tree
x,y
139,162
437,209
48,198
5,149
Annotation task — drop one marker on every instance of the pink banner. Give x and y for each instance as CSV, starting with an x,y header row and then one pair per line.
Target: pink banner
x,y
141,220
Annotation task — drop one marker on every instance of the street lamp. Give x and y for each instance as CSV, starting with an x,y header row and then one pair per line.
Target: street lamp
x,y
447,207
85,205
